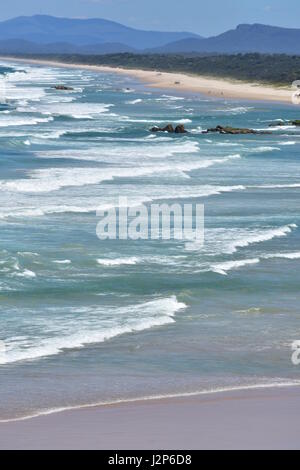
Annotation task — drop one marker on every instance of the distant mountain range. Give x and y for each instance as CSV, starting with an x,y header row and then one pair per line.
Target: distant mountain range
x,y
42,34
45,30
245,38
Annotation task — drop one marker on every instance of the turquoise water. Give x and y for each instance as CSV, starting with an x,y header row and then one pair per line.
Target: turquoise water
x,y
85,321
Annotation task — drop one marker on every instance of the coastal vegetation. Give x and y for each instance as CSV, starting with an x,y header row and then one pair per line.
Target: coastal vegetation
x,y
277,69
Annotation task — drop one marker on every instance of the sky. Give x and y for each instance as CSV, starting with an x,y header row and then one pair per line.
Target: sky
x,y
205,17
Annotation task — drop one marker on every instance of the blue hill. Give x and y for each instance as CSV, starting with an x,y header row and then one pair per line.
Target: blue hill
x,y
42,29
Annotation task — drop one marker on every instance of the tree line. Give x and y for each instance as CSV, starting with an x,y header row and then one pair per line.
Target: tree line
x,y
278,69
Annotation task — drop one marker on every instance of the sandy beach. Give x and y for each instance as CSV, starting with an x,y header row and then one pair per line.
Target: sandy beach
x,y
215,87
249,419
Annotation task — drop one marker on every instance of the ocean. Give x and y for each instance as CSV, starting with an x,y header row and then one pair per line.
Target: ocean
x,y
85,321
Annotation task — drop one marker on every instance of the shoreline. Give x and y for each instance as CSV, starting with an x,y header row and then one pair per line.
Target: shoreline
x,y
209,86
153,398
262,418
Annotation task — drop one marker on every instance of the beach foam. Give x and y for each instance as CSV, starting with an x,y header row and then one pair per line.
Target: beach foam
x,y
119,261
290,256
60,335
73,110
265,149
260,236
52,179
235,110
229,241
263,385
105,153
63,261
107,201
17,121
223,268
278,186
137,101
26,273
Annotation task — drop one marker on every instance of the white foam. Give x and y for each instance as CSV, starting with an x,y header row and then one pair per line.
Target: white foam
x,y
104,201
137,101
23,95
223,268
141,120
133,153
278,186
183,121
228,144
63,261
265,149
27,253
75,110
260,236
229,241
171,98
51,135
287,143
52,179
279,128
89,325
9,121
280,383
198,130
28,274
235,111
290,256
119,261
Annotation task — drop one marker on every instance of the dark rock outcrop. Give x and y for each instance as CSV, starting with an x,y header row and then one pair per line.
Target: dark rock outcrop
x,y
180,129
63,88
231,130
169,128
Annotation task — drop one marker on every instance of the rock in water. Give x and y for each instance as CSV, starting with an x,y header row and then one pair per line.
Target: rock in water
x,y
63,88
169,128
277,124
231,130
180,129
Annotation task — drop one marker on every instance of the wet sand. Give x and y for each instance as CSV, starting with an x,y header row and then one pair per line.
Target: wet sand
x,y
249,419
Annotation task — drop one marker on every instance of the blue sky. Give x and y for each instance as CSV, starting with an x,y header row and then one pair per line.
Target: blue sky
x,y
206,17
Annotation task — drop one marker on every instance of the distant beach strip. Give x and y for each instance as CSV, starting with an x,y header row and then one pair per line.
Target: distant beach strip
x,y
214,87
